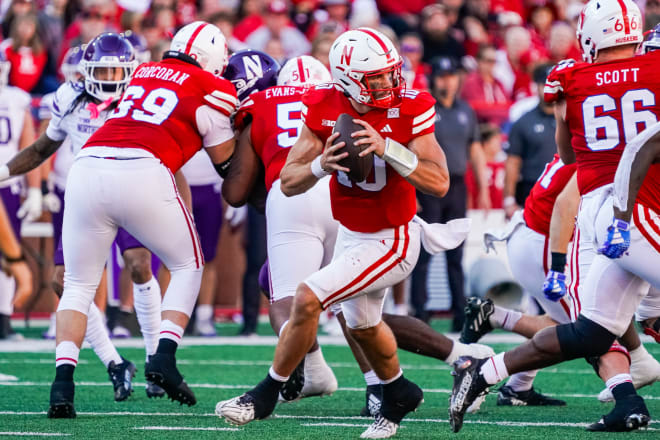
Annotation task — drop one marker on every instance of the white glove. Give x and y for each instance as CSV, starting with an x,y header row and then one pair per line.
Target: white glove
x,y
236,216
31,208
52,203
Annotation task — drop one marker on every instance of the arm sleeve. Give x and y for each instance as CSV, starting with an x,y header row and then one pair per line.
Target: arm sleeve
x,y
214,126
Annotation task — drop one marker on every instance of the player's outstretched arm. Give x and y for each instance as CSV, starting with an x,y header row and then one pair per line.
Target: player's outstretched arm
x,y
243,171
563,135
31,157
638,156
308,161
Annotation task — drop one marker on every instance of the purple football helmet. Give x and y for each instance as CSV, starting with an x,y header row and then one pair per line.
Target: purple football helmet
x,y
142,53
70,64
653,40
251,71
107,63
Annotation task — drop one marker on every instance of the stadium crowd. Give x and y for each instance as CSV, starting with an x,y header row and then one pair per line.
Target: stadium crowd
x,y
499,52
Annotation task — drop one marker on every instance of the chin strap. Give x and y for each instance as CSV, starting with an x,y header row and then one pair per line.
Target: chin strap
x,y
96,109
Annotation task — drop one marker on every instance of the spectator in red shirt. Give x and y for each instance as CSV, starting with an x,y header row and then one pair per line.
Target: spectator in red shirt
x,y
26,53
484,92
402,15
249,19
491,142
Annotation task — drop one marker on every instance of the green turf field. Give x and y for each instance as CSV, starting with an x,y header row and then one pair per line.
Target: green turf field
x,y
220,372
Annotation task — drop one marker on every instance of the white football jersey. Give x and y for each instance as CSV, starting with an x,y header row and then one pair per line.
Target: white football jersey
x,y
199,170
72,122
64,156
13,104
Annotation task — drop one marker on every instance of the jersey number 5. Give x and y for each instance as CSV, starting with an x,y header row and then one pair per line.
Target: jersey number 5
x,y
602,132
157,106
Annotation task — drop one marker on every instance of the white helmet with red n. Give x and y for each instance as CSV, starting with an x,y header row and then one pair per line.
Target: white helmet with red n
x,y
359,55
303,71
608,23
204,43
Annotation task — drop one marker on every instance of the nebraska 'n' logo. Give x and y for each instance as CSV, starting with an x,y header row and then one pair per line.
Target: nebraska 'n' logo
x,y
346,55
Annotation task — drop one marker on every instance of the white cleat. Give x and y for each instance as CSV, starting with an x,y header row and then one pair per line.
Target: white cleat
x,y
644,370
476,405
236,411
320,380
380,428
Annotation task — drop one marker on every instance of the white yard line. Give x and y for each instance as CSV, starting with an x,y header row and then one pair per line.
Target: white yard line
x,y
33,434
180,428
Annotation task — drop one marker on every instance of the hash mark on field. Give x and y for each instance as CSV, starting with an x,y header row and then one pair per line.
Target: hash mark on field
x,y
359,425
38,434
181,428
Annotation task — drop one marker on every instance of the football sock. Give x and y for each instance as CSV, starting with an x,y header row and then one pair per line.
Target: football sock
x,y
170,331
392,379
64,373
98,337
265,395
204,312
66,353
458,349
147,308
638,354
401,309
314,359
522,381
166,346
504,318
494,370
370,378
621,386
7,289
275,376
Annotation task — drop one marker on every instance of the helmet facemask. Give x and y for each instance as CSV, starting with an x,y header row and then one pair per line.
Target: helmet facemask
x,y
107,79
380,88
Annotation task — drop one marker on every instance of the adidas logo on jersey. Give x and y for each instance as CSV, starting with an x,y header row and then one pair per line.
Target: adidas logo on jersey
x,y
386,129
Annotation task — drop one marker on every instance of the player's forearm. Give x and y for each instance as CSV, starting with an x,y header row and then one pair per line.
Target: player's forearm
x,y
296,178
562,221
511,175
31,157
563,136
638,156
430,178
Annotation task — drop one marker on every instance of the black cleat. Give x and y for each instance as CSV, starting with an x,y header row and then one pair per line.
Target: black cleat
x,y
508,397
628,414
61,400
477,312
469,384
121,376
161,370
151,388
374,398
291,390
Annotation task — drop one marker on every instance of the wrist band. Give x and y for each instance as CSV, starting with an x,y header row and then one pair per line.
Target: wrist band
x,y
317,170
558,263
18,259
509,201
400,158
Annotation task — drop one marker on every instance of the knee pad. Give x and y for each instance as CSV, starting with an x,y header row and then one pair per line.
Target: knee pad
x,y
584,338
75,300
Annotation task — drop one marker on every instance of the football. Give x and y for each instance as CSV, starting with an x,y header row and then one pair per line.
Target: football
x,y
360,167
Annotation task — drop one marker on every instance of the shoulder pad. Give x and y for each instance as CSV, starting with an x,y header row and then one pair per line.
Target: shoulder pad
x,y
415,102
319,93
245,114
65,96
221,96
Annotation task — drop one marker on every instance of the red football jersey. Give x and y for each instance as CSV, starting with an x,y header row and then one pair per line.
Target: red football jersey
x,y
607,105
495,172
276,124
541,199
159,109
385,199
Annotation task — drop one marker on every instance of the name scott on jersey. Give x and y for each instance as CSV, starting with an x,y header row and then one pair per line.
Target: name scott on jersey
x,y
616,76
163,73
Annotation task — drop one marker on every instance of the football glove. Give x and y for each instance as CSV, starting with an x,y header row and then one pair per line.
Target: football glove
x,y
618,239
554,287
31,208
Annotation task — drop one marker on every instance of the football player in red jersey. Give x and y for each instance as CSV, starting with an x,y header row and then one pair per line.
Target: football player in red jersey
x,y
377,244
298,245
123,177
592,130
